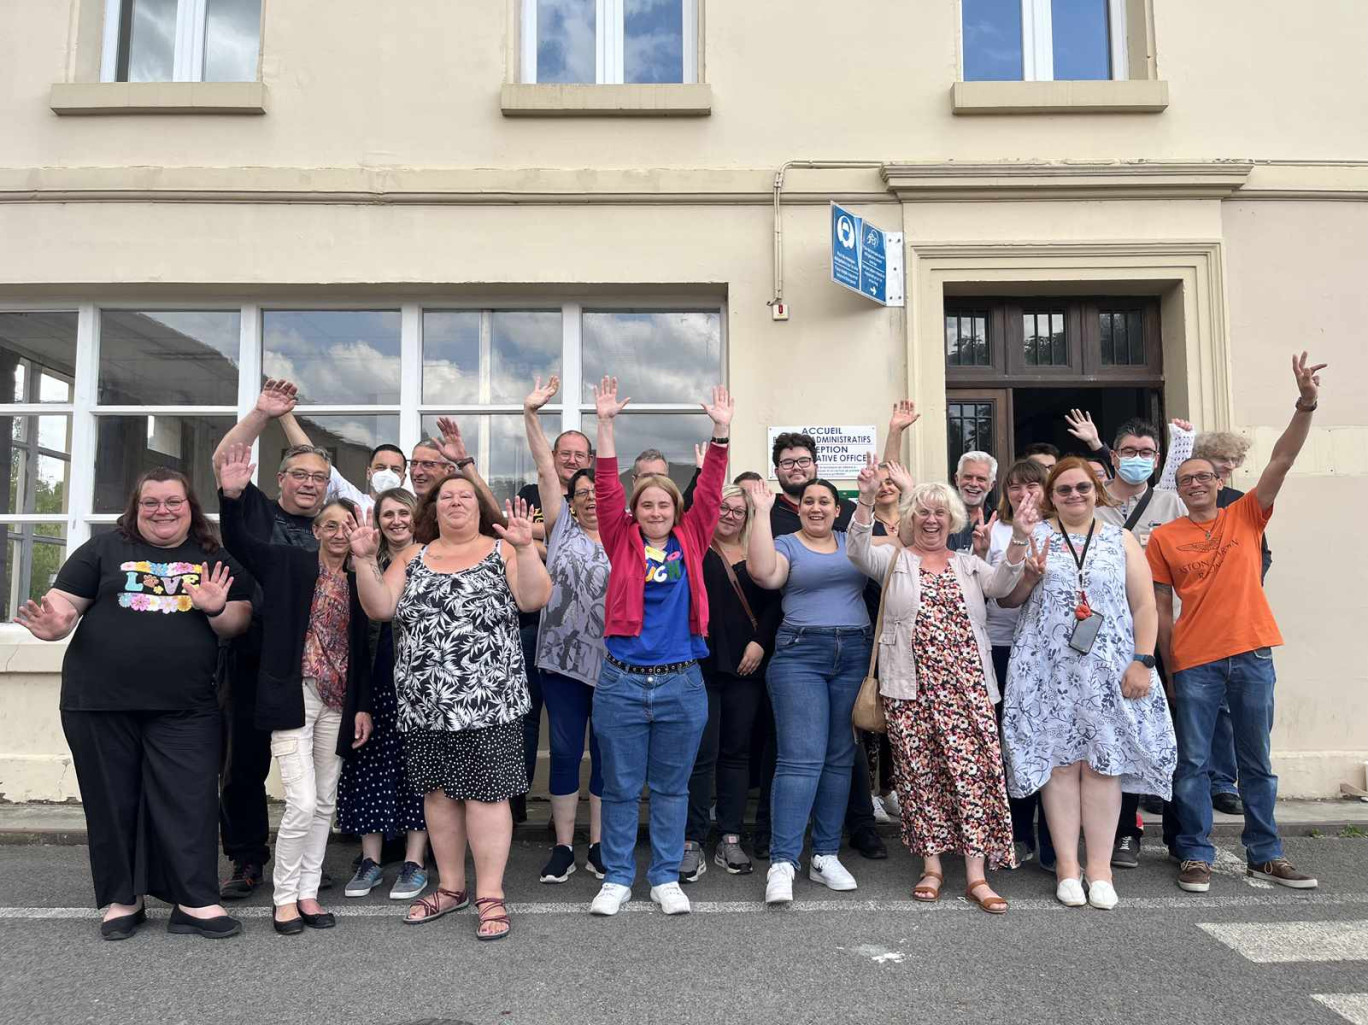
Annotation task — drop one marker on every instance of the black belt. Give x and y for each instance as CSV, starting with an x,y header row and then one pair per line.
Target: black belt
x,y
669,667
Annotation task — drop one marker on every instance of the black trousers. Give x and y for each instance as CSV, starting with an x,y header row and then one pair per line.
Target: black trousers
x,y
531,722
149,785
246,763
1023,808
724,754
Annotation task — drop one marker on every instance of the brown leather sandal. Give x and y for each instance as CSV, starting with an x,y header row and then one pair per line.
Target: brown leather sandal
x,y
928,894
432,906
994,905
481,903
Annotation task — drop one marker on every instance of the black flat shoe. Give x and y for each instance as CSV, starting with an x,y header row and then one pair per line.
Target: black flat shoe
x,y
217,928
293,927
124,926
322,920
870,845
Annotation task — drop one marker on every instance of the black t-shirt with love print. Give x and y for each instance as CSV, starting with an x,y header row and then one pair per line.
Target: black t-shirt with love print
x,y
142,645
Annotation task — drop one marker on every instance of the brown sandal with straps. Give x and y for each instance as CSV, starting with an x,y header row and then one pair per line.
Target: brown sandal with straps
x,y
481,903
994,905
928,894
432,906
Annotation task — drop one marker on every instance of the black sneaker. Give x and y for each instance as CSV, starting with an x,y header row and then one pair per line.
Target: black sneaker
x,y
246,877
594,861
1227,804
561,865
1126,853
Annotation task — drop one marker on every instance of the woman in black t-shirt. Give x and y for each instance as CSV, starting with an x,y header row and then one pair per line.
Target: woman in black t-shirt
x,y
138,704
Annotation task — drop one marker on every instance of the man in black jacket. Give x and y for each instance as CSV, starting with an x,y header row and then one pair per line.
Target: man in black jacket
x,y
303,484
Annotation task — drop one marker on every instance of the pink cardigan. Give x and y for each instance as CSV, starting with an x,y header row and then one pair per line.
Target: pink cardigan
x,y
627,551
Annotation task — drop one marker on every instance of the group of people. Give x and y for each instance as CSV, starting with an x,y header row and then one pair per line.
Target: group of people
x,y
391,652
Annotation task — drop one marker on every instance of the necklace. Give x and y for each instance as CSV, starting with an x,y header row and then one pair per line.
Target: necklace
x,y
1205,530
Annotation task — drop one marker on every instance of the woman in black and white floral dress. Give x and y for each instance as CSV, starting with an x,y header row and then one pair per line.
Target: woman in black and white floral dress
x,y
460,681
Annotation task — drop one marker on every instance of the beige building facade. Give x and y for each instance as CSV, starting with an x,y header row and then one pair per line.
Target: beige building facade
x,y
1135,206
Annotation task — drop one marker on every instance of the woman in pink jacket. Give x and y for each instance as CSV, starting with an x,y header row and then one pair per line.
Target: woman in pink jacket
x,y
650,705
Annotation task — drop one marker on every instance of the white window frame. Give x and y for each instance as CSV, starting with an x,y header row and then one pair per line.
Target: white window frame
x,y
610,46
1037,40
188,63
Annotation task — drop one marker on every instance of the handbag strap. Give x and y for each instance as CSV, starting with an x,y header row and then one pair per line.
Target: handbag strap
x,y
736,584
1139,509
883,595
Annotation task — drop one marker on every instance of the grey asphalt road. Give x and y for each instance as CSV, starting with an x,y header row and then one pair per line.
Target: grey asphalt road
x,y
1242,953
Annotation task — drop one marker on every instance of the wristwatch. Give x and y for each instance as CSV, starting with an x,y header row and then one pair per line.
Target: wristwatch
x,y
1145,660
461,464
722,441
1307,409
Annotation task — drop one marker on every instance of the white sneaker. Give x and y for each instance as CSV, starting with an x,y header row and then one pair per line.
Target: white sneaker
x,y
880,812
1102,895
670,898
892,804
828,870
610,899
779,883
1069,892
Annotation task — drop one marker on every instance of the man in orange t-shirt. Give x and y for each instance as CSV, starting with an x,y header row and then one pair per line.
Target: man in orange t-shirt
x,y
1220,649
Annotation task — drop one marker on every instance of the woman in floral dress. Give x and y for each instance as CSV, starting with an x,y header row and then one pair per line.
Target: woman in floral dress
x,y
937,682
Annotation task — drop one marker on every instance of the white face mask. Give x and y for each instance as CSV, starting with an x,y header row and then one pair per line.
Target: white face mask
x,y
383,480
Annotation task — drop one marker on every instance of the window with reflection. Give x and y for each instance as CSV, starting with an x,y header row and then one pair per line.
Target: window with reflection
x,y
127,446
673,357
1122,336
498,443
336,357
347,438
609,41
1043,40
966,339
37,356
1043,338
472,356
156,40
169,358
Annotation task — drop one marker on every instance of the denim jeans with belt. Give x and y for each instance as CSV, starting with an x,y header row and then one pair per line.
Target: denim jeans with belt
x,y
1245,683
648,727
813,679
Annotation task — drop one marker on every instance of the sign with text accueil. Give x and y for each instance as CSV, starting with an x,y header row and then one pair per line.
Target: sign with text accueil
x,y
841,451
866,259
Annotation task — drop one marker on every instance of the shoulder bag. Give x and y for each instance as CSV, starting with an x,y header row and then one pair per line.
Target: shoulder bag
x,y
868,713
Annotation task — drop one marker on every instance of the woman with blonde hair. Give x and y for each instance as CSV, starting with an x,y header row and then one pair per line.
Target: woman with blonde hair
x,y
937,682
742,620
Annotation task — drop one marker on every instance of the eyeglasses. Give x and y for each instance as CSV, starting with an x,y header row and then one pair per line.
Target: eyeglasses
x,y
331,529
582,493
732,512
151,505
431,465
1143,453
573,457
300,476
1065,490
1197,478
795,464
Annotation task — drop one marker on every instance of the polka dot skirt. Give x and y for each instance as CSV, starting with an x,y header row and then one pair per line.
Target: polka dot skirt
x,y
476,765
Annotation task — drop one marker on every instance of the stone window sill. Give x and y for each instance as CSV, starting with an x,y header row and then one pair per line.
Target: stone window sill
x,y
1126,97
531,100
82,98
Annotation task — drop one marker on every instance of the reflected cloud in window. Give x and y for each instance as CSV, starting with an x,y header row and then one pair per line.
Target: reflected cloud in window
x,y
522,344
992,41
656,357
147,40
499,444
348,438
653,41
232,38
565,41
336,357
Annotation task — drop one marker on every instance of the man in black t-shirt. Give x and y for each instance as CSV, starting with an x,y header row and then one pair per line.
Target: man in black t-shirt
x,y
303,484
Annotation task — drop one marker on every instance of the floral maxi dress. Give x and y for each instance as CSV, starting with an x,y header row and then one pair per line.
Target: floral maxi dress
x,y
947,763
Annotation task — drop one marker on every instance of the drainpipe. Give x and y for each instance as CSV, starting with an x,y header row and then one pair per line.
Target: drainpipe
x,y
778,209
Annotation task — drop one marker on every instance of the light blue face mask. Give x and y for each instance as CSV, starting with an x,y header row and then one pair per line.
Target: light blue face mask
x,y
1135,469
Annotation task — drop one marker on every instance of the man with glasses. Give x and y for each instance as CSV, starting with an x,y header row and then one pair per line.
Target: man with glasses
x,y
426,467
302,480
386,468
572,453
1220,649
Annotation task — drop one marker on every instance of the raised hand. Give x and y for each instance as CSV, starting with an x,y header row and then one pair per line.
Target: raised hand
x,y
868,480
1308,378
1182,425
1026,518
904,415
210,595
541,394
518,532
450,444
45,619
606,403
761,495
364,540
277,398
721,408
1081,426
233,470
983,537
900,476
1034,564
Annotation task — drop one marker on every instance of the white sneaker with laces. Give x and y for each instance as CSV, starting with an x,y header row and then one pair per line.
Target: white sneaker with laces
x,y
880,812
610,899
828,870
1070,893
670,898
779,883
1102,895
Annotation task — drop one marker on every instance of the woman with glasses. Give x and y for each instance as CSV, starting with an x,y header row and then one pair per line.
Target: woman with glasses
x,y
374,799
1084,716
313,693
742,621
569,648
138,705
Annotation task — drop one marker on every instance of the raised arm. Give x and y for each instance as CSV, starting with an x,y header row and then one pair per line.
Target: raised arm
x,y
226,618
548,480
1081,426
277,399
904,416
608,494
1290,444
1163,603
54,616
766,566
701,515
378,591
872,560
1180,442
1008,573
234,473
607,406
527,577
453,448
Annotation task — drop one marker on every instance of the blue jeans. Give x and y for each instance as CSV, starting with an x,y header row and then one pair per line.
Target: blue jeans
x,y
569,704
813,679
1223,768
1245,683
648,729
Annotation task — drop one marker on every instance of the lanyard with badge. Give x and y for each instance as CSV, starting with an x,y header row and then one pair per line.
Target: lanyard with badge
x,y
1087,622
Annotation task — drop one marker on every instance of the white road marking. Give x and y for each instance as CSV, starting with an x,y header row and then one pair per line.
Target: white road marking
x,y
1353,1007
1228,864
1282,942
1282,898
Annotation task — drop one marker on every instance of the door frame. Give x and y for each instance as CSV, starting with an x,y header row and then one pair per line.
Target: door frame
x,y
1001,398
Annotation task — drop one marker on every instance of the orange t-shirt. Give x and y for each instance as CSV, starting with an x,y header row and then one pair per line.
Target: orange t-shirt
x,y
1225,611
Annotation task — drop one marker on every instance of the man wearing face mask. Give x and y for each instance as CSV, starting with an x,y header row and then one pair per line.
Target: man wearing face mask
x,y
386,468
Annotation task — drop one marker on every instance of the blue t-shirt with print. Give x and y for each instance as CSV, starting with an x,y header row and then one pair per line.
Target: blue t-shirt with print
x,y
664,636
